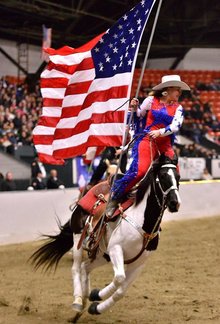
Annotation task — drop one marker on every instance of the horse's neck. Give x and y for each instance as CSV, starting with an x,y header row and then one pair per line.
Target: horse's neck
x,y
146,213
137,212
153,210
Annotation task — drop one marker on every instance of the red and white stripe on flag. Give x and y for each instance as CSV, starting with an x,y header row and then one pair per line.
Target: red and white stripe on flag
x,y
54,83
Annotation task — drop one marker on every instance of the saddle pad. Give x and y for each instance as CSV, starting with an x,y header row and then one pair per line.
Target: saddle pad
x,y
88,201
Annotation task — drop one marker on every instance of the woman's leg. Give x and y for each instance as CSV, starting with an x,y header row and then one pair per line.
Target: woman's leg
x,y
143,154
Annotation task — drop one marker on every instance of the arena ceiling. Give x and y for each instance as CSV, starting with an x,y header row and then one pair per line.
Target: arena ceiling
x,y
181,24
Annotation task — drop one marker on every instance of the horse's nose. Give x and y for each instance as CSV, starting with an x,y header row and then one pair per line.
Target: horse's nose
x,y
174,206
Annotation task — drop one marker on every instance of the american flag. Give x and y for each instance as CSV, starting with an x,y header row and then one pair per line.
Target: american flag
x,y
82,88
46,42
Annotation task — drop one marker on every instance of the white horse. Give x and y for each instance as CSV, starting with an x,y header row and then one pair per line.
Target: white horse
x,y
127,242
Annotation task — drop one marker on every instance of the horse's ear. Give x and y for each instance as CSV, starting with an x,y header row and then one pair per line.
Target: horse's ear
x,y
163,159
175,159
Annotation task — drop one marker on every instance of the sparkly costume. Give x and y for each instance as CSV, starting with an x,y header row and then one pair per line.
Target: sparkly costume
x,y
168,119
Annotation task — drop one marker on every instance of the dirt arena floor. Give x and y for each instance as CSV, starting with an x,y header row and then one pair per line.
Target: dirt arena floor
x,y
180,283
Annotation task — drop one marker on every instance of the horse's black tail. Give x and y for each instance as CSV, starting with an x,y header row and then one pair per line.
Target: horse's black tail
x,y
55,246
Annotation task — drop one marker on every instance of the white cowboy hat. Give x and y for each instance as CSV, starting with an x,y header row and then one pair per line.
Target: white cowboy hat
x,y
171,81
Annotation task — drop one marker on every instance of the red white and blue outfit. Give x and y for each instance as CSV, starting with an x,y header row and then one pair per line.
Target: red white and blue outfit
x,y
168,119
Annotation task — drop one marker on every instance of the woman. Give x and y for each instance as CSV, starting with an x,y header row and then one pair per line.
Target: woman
x,y
164,119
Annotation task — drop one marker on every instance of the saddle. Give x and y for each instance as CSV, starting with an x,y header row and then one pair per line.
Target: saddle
x,y
94,203
95,200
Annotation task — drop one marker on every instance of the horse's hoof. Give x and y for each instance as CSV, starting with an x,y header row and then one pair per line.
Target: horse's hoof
x,y
94,295
93,309
77,307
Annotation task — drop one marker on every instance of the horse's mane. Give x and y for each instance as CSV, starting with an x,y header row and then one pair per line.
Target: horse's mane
x,y
144,185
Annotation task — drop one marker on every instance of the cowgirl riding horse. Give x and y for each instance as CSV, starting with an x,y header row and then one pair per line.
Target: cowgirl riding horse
x,y
164,119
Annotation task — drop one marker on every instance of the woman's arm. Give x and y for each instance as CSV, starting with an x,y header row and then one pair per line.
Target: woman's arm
x,y
145,106
177,121
172,128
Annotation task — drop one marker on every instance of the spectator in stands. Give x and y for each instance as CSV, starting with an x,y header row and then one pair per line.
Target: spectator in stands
x,y
53,182
192,152
17,120
201,86
9,184
206,175
6,145
38,167
37,183
196,133
215,126
214,86
25,138
207,107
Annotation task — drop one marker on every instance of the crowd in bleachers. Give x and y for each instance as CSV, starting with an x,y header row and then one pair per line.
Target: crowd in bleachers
x,y
20,110
201,105
19,113
195,150
201,117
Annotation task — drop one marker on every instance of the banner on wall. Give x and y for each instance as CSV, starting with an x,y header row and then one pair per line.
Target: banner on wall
x,y
191,168
215,166
82,172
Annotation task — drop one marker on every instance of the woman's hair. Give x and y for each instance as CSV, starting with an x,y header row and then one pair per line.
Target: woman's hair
x,y
158,93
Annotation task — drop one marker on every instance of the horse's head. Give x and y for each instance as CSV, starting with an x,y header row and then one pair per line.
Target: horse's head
x,y
168,181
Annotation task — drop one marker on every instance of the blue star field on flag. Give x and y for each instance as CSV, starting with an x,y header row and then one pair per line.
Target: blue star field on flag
x,y
115,52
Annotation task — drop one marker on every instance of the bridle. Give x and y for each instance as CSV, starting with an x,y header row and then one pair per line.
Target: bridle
x,y
166,192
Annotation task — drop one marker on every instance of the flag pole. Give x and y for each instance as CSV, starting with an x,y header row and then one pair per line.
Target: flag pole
x,y
137,91
148,49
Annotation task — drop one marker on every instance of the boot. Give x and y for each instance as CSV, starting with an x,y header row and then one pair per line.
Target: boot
x,y
111,208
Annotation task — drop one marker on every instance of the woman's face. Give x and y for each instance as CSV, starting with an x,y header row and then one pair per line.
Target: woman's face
x,y
174,93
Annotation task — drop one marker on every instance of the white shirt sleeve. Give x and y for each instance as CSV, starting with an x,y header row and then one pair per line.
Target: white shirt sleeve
x,y
145,106
176,123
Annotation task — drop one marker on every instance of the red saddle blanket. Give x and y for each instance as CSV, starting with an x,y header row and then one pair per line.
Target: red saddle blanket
x,y
89,202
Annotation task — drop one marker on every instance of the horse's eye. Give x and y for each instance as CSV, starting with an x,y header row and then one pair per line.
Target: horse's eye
x,y
163,176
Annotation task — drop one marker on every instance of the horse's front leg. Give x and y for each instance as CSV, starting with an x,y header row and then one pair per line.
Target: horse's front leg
x,y
132,272
86,267
117,259
76,275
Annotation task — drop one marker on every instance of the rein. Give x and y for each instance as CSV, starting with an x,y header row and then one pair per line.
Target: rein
x,y
165,193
